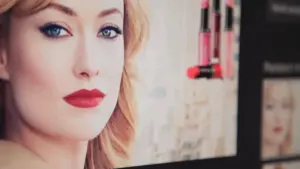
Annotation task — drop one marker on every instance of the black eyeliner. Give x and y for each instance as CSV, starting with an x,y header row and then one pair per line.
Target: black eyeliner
x,y
43,29
113,27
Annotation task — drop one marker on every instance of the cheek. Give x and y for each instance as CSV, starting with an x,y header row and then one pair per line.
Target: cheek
x,y
37,72
112,64
268,123
33,62
115,69
113,59
35,68
286,119
268,118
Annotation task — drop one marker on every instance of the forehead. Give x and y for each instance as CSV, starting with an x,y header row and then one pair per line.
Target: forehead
x,y
84,6
278,91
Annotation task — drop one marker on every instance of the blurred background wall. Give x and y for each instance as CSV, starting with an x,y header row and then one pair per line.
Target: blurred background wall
x,y
181,119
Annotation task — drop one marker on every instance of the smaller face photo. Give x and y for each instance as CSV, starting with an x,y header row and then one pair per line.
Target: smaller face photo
x,y
283,165
280,118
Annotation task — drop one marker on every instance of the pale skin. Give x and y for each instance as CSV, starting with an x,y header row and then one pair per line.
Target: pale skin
x,y
70,45
277,114
14,156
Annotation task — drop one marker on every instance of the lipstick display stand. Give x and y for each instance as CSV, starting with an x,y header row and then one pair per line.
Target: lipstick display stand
x,y
216,45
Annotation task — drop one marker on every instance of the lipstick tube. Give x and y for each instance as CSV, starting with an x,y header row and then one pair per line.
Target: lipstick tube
x,y
228,72
204,35
216,24
208,71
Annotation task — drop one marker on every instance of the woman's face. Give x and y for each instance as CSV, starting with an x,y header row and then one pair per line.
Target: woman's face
x,y
277,112
69,46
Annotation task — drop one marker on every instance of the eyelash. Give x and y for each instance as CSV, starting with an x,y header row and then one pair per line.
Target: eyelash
x,y
114,28
47,30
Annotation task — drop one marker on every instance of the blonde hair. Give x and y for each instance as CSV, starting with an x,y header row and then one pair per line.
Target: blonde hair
x,y
111,148
285,147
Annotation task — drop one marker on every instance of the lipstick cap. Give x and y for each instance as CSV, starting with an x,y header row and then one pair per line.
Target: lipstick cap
x,y
204,20
216,5
229,18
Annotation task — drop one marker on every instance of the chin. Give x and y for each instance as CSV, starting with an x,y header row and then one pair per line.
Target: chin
x,y
86,126
82,135
83,132
278,140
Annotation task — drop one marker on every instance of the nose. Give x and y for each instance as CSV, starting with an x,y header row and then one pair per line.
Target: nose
x,y
87,73
279,115
86,64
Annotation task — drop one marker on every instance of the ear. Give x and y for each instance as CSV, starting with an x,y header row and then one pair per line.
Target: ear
x,y
4,75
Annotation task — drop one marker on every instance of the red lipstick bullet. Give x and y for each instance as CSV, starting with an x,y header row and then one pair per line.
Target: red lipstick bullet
x,y
85,98
209,71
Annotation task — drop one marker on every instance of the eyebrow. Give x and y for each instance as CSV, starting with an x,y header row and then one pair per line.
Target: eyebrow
x,y
70,12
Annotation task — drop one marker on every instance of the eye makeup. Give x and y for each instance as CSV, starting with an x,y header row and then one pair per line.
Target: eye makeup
x,y
54,30
109,31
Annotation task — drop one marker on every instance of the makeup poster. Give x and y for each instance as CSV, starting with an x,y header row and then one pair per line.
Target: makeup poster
x,y
280,118
282,165
107,81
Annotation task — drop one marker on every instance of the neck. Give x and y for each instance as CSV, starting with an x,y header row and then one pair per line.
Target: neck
x,y
57,153
270,150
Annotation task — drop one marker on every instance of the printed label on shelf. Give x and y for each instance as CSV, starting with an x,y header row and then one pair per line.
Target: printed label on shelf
x,y
281,69
284,10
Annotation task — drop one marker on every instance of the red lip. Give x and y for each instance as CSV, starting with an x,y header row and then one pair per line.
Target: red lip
x,y
85,98
278,129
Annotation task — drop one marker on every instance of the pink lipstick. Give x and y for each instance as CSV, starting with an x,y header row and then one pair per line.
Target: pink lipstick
x,y
85,98
229,38
204,35
216,30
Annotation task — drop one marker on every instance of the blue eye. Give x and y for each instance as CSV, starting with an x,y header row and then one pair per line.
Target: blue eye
x,y
269,106
54,31
110,32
